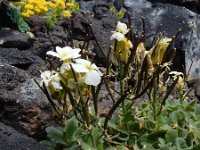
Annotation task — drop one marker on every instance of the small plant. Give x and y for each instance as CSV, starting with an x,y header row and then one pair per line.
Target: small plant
x,y
120,13
51,10
13,13
158,123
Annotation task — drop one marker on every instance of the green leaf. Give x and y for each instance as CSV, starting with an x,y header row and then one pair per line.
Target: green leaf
x,y
190,106
177,116
77,134
70,127
197,147
181,144
171,136
162,141
197,110
16,17
85,146
47,143
183,133
56,135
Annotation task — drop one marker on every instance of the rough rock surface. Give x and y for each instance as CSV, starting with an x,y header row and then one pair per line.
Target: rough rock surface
x,y
103,24
10,139
14,39
14,57
195,84
170,19
193,5
23,105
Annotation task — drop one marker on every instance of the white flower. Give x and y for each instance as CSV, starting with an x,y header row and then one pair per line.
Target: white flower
x,y
93,74
120,32
65,53
118,36
65,67
122,28
180,83
51,78
175,74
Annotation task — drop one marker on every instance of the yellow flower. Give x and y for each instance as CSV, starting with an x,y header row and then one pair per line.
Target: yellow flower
x,y
52,5
140,53
60,3
27,13
69,5
37,10
29,6
20,3
66,13
157,52
123,49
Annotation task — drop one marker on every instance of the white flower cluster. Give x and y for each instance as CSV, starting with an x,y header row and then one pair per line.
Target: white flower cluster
x,y
123,44
88,71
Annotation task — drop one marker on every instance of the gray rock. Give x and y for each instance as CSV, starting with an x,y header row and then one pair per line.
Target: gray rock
x,y
14,57
5,20
172,18
37,23
80,25
137,4
58,36
87,5
14,39
193,5
10,139
103,25
41,45
23,105
118,4
195,84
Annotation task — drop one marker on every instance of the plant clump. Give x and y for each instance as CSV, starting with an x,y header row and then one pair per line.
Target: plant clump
x,y
140,73
50,9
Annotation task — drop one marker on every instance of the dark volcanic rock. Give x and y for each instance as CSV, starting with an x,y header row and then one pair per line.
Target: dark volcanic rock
x,y
37,23
87,5
41,44
80,24
10,139
5,20
22,104
20,59
45,41
118,4
14,39
58,36
137,4
193,5
170,19
102,25
195,84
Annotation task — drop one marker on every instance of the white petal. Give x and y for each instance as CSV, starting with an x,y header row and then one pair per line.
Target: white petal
x,y
118,36
93,78
53,54
59,50
130,44
56,85
74,52
45,74
66,57
122,27
65,67
83,61
75,55
77,50
94,67
79,68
